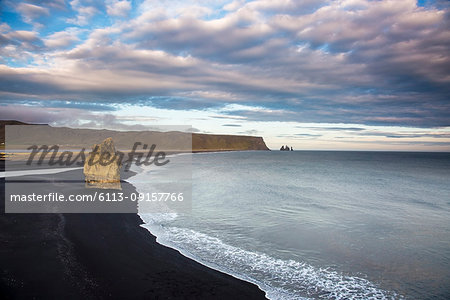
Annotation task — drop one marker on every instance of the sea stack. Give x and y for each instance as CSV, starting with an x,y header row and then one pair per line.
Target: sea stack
x,y
102,166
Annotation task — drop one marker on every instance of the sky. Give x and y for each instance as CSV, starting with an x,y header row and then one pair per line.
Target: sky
x,y
313,74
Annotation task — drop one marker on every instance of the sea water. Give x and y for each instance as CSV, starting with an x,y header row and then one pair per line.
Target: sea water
x,y
321,225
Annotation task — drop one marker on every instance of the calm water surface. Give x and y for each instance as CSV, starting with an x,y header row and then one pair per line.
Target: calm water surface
x,y
339,225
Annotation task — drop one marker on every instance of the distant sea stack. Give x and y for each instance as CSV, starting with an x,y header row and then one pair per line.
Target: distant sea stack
x,y
286,148
102,166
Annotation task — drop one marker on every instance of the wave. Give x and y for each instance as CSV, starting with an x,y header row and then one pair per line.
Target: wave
x,y
280,279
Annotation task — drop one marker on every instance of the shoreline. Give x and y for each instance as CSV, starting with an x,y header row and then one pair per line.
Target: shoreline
x,y
213,266
98,255
151,228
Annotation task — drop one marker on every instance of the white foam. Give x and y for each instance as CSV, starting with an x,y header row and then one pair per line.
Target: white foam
x,y
280,279
158,218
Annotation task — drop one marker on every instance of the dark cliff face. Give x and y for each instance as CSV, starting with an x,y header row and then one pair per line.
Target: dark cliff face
x,y
125,139
210,142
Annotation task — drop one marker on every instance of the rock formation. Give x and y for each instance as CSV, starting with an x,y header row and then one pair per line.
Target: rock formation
x,y
102,166
286,148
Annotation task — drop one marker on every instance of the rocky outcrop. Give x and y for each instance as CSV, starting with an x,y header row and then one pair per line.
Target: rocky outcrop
x,y
286,148
102,166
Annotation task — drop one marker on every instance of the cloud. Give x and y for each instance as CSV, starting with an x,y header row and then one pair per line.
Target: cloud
x,y
392,39
85,10
353,61
31,12
236,4
31,114
250,132
232,125
307,135
19,45
334,128
412,135
194,11
299,136
58,4
66,116
118,8
61,39
227,117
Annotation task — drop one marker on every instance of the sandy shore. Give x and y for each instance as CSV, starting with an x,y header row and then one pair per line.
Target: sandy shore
x,y
97,256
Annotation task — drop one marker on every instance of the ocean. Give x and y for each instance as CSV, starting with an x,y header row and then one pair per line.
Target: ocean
x,y
317,224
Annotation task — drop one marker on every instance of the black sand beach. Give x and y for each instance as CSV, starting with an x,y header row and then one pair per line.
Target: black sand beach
x,y
98,256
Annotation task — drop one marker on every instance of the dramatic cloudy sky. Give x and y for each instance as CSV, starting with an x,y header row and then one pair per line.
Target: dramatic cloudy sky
x,y
315,74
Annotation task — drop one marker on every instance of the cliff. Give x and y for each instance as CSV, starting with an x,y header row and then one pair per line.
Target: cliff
x,y
212,142
71,138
